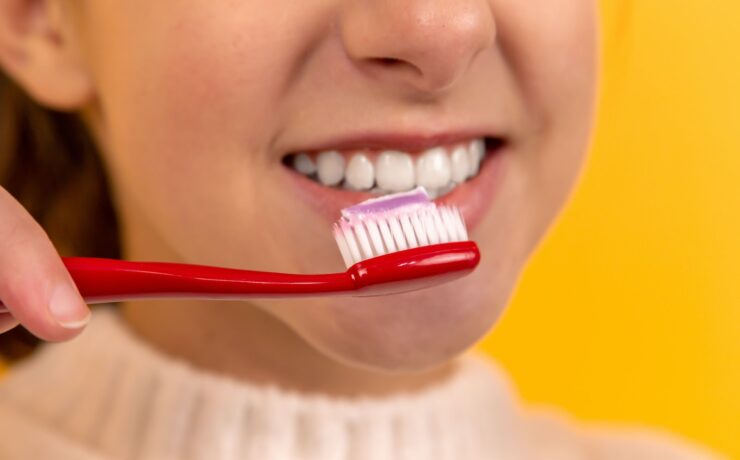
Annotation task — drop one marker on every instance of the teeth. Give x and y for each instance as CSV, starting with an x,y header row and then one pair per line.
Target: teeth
x,y
433,169
460,164
360,173
477,151
438,170
394,171
437,192
304,164
330,167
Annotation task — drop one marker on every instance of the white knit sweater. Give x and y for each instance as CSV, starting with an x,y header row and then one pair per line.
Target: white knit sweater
x,y
108,395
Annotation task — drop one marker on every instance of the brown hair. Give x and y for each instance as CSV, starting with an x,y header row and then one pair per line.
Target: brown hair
x,y
49,162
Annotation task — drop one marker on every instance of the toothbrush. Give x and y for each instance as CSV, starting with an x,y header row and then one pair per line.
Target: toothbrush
x,y
391,244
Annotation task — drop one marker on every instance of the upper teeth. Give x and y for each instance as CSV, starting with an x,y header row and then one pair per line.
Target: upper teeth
x,y
433,169
360,172
438,169
304,164
395,171
330,167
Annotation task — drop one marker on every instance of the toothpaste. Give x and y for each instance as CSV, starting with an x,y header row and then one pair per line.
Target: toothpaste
x,y
405,202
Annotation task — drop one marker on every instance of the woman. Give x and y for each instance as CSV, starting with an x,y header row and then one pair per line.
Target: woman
x,y
208,119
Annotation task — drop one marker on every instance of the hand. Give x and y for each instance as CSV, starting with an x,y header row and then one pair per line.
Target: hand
x,y
35,286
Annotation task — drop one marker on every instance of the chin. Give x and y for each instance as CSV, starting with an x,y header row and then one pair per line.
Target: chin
x,y
409,332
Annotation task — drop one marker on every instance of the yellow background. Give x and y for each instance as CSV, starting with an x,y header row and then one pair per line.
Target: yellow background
x,y
630,311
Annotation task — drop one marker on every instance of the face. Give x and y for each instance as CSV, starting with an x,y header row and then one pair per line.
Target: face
x,y
202,108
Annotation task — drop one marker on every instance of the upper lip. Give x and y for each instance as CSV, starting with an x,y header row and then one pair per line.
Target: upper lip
x,y
404,141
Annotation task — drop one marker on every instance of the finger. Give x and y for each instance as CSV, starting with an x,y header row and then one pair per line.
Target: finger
x,y
34,283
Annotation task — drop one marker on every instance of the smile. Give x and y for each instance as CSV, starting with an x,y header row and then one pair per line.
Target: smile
x,y
455,170
439,169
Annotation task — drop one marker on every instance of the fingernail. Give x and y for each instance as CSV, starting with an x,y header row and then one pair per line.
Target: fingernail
x,y
67,309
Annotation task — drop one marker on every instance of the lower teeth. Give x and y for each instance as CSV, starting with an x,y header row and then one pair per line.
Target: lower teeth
x,y
433,193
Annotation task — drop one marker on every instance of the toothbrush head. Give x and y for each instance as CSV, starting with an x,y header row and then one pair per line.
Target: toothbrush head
x,y
395,223
402,242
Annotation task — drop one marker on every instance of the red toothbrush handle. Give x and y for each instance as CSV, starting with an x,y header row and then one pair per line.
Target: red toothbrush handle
x,y
110,280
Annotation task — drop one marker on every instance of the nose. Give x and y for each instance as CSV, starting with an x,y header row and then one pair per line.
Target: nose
x,y
427,45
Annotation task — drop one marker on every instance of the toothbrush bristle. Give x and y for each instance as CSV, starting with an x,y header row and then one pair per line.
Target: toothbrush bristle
x,y
396,223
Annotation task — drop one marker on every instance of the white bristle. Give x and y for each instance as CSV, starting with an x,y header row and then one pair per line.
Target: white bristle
x,y
343,248
375,237
387,238
444,235
408,231
398,237
419,230
449,224
364,237
364,241
349,237
430,228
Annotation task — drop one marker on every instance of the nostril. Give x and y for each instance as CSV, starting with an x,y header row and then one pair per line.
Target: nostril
x,y
388,62
394,65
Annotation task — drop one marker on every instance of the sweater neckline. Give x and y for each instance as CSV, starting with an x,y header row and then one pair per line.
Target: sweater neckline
x,y
113,392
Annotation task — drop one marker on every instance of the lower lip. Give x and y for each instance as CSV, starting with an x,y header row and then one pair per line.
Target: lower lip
x,y
473,198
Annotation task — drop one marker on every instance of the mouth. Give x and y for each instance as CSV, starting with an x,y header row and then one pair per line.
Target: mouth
x,y
458,171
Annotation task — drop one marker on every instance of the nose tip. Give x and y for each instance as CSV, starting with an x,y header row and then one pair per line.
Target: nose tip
x,y
425,44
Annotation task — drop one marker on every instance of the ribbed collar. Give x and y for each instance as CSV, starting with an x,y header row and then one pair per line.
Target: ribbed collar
x,y
111,392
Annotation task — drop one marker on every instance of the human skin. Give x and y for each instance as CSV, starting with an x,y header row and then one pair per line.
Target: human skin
x,y
194,104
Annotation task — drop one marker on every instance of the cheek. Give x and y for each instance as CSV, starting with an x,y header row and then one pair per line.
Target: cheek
x,y
551,47
197,100
184,102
